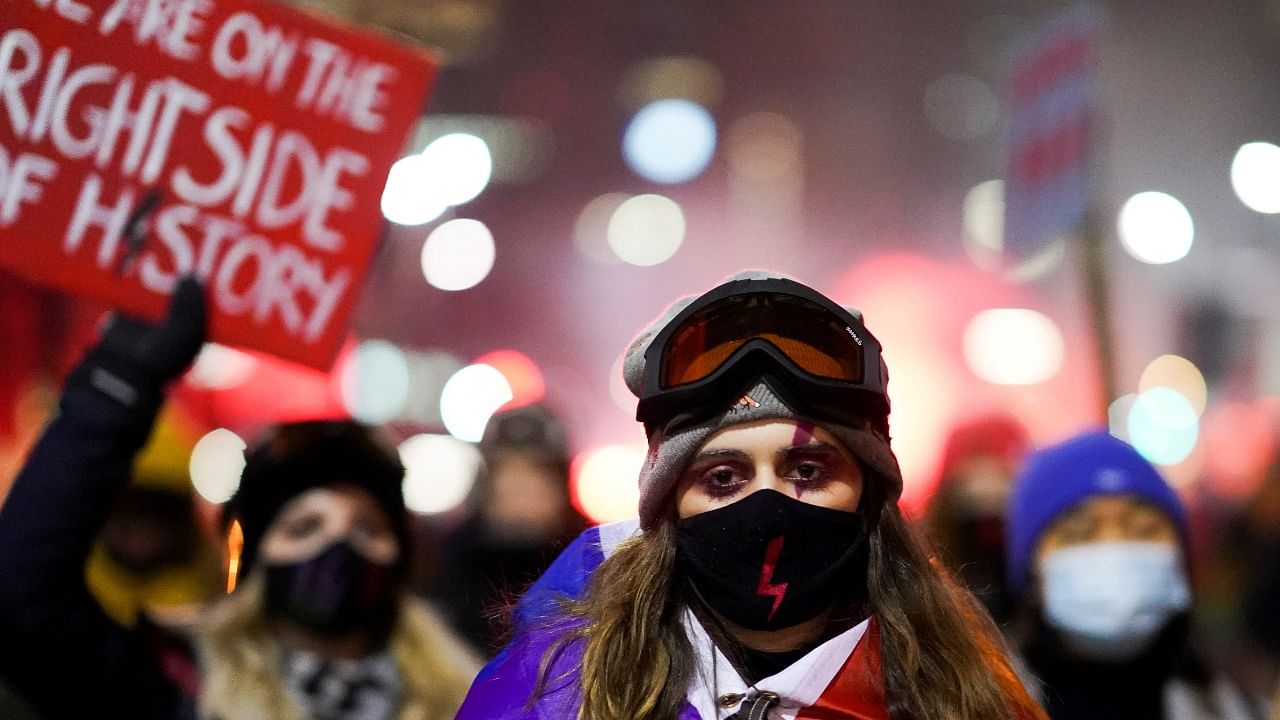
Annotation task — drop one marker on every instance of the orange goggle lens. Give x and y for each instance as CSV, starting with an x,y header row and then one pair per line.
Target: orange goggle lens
x,y
809,358
812,337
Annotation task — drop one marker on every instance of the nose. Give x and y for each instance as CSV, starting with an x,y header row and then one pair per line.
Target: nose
x,y
767,478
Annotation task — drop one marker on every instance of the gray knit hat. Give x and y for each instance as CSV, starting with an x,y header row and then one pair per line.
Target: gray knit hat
x,y
671,447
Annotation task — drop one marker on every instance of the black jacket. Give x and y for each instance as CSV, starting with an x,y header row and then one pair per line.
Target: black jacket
x,y
57,648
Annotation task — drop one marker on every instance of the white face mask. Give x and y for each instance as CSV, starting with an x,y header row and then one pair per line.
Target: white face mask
x,y
1111,599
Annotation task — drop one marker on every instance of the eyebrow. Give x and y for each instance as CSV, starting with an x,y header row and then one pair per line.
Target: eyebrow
x,y
720,454
813,447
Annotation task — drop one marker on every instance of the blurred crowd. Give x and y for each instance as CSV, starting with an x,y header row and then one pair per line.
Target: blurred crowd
x,y
1120,597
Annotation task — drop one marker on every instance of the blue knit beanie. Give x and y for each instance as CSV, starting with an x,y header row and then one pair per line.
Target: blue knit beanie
x,y
1058,478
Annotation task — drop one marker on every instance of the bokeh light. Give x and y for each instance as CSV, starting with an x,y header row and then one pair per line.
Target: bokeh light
x,y
439,472
670,141
219,367
1118,415
458,255
961,107
470,398
520,145
374,382
522,374
983,220
428,372
1013,346
451,170
407,198
660,78
919,307
646,230
921,384
1163,426
1255,176
460,167
1179,373
217,460
1156,228
603,482
591,230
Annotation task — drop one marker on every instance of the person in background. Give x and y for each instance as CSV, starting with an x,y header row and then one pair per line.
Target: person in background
x,y
153,562
319,626
519,518
1247,554
1097,552
770,573
965,517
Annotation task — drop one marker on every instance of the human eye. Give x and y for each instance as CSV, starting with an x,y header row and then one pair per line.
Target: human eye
x,y
1075,530
811,469
809,472
1146,525
721,480
373,528
302,526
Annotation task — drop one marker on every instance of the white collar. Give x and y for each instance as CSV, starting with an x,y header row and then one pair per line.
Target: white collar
x,y
799,685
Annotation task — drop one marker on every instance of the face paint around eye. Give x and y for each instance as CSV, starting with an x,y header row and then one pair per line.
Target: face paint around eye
x,y
803,434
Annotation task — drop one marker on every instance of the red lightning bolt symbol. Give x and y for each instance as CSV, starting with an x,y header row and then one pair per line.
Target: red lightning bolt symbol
x,y
765,587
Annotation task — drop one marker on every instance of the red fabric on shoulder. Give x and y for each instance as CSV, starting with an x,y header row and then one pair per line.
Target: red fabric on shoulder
x,y
174,654
857,692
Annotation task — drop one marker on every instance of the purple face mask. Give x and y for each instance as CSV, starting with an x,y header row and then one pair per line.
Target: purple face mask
x,y
335,592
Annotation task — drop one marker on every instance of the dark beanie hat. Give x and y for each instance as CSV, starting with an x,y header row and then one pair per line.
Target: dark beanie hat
x,y
296,457
531,429
672,447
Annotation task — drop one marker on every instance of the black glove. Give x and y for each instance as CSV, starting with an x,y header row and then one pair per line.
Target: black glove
x,y
134,358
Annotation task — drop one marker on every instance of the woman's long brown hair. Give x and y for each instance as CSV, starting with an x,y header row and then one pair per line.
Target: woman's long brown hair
x,y
941,655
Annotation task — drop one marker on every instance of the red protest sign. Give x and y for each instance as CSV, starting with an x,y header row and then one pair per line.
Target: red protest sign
x,y
238,139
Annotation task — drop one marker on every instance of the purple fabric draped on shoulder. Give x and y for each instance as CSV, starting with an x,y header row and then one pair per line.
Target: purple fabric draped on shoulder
x,y
504,688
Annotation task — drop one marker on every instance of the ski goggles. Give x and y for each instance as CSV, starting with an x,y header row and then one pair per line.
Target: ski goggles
x,y
742,330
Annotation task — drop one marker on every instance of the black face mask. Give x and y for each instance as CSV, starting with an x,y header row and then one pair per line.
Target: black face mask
x,y
769,561
335,593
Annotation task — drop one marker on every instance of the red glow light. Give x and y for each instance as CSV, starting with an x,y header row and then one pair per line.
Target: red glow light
x,y
603,482
918,308
1239,443
277,391
521,372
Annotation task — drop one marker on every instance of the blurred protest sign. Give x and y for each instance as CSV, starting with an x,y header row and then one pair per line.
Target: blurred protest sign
x,y
242,140
1049,190
1053,96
